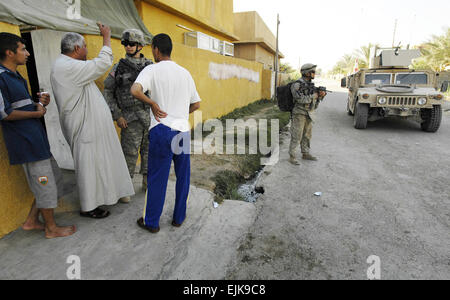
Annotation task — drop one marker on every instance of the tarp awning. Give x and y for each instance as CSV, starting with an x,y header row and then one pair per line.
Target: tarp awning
x,y
74,15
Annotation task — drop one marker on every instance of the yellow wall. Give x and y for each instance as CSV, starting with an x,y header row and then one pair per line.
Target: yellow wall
x,y
215,13
219,96
255,52
263,31
253,33
161,21
265,57
15,197
245,51
266,84
249,26
244,25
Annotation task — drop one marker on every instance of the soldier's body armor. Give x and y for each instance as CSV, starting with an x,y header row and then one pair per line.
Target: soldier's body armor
x,y
125,75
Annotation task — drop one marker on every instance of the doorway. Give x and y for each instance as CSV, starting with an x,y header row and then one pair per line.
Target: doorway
x,y
45,46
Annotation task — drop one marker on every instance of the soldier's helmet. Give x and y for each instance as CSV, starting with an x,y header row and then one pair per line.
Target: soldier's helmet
x,y
306,68
134,35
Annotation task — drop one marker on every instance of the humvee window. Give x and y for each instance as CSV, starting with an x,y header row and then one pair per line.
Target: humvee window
x,y
411,78
378,79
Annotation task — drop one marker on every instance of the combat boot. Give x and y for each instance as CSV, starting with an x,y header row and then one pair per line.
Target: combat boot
x,y
144,182
307,156
294,161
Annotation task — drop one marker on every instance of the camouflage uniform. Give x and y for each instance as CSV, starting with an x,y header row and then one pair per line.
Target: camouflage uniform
x,y
134,139
303,116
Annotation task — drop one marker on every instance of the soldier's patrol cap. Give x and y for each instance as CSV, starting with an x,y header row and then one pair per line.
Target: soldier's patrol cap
x,y
134,35
306,68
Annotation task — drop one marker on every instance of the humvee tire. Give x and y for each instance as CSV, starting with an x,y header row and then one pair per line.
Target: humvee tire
x,y
361,115
431,118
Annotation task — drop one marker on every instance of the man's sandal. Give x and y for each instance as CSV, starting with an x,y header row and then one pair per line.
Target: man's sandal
x,y
96,214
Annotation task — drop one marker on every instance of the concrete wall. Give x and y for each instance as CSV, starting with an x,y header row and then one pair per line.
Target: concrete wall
x,y
268,84
216,13
265,57
250,26
15,197
207,16
263,31
244,25
258,43
256,52
245,51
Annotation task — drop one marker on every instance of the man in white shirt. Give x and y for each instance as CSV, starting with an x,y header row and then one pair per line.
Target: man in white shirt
x,y
173,96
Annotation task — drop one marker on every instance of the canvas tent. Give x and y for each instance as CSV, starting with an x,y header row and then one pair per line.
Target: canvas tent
x,y
61,15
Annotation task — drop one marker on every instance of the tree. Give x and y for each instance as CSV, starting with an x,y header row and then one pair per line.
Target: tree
x,y
286,68
363,55
294,76
435,53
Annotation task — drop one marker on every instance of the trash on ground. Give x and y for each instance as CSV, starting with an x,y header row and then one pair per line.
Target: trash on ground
x,y
318,194
216,205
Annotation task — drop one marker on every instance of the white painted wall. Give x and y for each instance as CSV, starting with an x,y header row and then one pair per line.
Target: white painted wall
x,y
226,71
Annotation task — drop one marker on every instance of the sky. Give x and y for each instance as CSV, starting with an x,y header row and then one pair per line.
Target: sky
x,y
322,31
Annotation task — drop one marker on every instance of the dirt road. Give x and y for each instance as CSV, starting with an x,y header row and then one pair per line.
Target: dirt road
x,y
386,192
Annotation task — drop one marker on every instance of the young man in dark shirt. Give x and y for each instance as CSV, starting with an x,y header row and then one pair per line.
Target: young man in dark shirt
x,y
26,139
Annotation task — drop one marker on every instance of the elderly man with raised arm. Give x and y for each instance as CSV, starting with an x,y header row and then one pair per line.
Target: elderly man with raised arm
x,y
87,124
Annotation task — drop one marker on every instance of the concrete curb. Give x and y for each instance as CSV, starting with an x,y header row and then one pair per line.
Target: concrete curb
x,y
116,248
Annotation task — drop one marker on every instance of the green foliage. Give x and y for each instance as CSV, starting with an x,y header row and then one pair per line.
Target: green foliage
x,y
363,55
227,182
295,76
345,65
252,108
435,53
286,68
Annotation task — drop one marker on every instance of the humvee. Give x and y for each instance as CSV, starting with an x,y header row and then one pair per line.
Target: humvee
x,y
390,89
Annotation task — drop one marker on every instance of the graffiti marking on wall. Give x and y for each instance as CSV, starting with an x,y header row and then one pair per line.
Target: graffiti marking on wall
x,y
226,71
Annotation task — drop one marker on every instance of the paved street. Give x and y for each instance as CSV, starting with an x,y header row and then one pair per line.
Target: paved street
x,y
385,193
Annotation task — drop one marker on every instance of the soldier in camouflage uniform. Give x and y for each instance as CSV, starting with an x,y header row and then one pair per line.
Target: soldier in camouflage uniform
x,y
303,114
132,116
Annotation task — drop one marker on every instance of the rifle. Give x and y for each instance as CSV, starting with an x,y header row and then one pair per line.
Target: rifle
x,y
322,89
309,89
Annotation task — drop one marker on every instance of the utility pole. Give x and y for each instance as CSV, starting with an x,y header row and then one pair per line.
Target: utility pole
x,y
276,57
